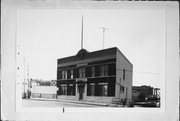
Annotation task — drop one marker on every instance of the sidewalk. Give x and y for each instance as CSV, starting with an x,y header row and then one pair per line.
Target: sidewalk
x,y
42,99
72,101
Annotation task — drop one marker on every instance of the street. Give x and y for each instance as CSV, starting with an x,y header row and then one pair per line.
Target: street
x,y
40,103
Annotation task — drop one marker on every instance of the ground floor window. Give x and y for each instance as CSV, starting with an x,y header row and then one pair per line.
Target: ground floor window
x,y
64,89
103,89
121,89
92,89
67,89
71,89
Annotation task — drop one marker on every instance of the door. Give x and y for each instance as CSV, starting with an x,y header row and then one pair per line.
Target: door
x,y
126,92
81,91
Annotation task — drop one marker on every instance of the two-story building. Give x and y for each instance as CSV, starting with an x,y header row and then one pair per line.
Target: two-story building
x,y
97,76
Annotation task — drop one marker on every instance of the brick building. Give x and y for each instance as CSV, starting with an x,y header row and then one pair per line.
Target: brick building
x,y
96,76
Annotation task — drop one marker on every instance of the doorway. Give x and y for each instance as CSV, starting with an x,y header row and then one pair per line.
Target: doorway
x,y
81,91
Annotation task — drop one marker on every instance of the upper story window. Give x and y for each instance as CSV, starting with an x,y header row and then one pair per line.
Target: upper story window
x,y
82,73
101,70
124,74
64,74
71,74
93,71
104,70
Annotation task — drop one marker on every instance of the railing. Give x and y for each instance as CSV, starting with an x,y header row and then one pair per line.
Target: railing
x,y
116,101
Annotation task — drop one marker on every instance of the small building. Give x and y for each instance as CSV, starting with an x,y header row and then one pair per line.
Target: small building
x,y
43,89
97,76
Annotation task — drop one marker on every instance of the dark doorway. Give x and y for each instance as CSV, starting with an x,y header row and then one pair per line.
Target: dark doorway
x,y
81,91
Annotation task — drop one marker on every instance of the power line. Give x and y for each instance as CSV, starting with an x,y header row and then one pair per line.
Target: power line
x,y
145,72
136,71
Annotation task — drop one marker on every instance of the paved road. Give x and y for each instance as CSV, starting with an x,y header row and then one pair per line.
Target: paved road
x,y
40,103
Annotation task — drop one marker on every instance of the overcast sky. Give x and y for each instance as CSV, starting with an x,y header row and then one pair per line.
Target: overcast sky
x,y
48,34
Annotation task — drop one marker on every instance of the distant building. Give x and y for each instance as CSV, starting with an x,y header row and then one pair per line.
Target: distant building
x,y
95,76
39,82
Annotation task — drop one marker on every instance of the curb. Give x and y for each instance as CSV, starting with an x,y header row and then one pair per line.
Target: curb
x,y
84,102
39,99
70,101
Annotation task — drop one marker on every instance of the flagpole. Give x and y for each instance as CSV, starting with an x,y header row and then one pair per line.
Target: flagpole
x,y
82,38
82,34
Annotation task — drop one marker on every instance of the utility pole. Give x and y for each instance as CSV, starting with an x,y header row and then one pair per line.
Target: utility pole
x,y
24,79
28,82
104,29
28,75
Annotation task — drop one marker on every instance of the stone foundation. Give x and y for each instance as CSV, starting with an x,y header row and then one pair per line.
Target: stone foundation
x,y
98,99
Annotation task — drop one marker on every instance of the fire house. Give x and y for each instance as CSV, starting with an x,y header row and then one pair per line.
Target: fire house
x,y
97,76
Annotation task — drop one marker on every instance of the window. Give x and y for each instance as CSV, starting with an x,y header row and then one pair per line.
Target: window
x,y
64,89
82,73
93,71
104,70
103,89
124,74
92,89
126,92
71,90
71,74
122,89
64,74
101,70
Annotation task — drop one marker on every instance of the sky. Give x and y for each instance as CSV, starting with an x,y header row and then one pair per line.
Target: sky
x,y
45,35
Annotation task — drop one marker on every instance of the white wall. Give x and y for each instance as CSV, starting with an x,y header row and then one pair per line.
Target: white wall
x,y
121,64
44,89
